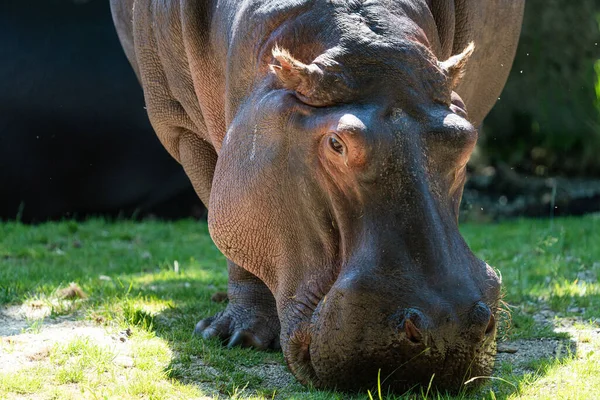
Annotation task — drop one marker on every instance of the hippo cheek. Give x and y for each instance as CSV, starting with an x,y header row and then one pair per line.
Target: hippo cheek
x,y
353,341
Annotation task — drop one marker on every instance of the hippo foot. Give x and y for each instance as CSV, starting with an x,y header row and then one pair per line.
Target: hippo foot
x,y
241,326
250,319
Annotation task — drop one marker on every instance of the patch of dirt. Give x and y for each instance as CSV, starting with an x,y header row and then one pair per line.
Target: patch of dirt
x,y
521,352
24,344
15,319
273,375
201,375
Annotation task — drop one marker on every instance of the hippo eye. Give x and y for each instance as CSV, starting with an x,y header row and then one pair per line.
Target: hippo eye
x,y
336,145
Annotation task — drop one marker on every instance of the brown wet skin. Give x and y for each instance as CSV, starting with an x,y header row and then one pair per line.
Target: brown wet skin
x,y
329,141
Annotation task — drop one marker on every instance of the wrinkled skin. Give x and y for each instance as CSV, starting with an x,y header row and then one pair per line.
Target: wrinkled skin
x,y
329,141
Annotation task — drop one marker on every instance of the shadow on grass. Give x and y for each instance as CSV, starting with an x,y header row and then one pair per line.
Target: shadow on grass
x,y
207,363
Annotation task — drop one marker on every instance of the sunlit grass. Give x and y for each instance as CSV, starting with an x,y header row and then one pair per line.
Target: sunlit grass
x,y
570,378
539,261
96,371
28,381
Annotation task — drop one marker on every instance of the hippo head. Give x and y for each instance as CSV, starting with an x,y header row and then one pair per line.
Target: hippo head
x,y
338,185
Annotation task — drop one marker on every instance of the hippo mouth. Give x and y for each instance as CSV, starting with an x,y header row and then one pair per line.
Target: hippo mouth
x,y
398,365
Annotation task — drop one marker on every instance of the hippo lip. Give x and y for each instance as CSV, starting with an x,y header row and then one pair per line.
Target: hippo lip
x,y
297,352
298,358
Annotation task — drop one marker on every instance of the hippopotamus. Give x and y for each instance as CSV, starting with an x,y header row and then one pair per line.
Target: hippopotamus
x,y
329,141
75,139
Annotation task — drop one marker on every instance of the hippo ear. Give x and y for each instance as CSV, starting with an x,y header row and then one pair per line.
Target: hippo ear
x,y
293,74
454,67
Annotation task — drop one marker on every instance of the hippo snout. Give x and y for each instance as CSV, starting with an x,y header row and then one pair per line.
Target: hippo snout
x,y
363,329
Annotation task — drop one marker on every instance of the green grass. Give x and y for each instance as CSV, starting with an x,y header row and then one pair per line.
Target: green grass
x,y
157,278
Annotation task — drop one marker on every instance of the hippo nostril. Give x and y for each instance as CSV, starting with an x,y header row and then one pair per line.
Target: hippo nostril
x,y
491,325
412,323
481,316
412,332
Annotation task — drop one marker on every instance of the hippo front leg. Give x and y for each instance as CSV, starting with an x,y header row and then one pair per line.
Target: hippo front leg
x,y
250,319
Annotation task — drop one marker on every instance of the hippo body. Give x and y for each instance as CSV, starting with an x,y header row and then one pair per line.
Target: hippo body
x,y
75,139
329,141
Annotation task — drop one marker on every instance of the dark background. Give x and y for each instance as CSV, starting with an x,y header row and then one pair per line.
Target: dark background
x,y
74,136
75,140
547,121
539,151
